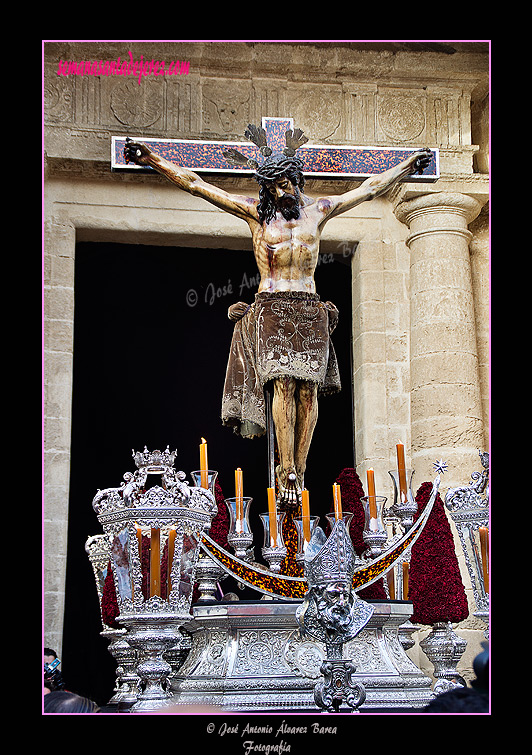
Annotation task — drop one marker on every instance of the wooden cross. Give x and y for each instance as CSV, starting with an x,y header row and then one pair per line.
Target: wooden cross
x,y
319,160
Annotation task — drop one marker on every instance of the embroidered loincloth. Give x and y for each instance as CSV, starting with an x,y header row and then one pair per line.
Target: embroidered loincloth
x,y
285,334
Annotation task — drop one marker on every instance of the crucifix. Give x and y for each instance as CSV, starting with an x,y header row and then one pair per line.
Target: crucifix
x,y
281,355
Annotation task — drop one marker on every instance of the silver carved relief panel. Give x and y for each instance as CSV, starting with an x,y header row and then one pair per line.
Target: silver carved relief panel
x,y
260,652
254,658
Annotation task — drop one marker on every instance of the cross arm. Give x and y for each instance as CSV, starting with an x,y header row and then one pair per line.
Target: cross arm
x,y
186,179
377,185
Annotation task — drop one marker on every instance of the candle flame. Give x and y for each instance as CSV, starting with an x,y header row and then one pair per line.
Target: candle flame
x,y
203,440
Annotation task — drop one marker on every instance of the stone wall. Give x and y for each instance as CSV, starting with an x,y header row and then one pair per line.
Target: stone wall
x,y
421,269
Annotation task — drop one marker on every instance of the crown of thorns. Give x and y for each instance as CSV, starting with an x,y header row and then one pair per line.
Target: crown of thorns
x,y
277,165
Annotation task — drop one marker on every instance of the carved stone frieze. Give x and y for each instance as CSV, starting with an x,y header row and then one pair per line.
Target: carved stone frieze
x,y
58,97
139,105
225,106
228,85
401,117
319,112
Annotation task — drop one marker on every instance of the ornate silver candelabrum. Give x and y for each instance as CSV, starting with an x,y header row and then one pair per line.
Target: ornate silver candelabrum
x,y
125,693
273,549
468,506
240,536
172,518
332,613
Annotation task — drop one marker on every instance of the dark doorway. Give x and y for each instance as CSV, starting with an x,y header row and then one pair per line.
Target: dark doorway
x,y
151,339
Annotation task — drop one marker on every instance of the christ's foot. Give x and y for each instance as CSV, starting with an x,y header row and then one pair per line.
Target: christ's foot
x,y
289,489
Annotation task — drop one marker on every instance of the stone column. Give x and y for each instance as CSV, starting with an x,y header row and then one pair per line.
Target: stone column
x,y
58,324
446,411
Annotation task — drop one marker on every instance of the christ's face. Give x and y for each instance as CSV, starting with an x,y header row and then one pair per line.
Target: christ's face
x,y
286,197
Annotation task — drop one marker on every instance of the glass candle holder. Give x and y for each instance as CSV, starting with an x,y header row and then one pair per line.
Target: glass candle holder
x,y
374,532
268,534
404,505
302,541
211,479
240,536
346,518
273,550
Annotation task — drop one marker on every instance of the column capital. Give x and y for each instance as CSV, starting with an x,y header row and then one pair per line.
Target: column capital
x,y
463,204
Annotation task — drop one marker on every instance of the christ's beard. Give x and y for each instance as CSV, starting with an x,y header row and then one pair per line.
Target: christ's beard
x,y
289,207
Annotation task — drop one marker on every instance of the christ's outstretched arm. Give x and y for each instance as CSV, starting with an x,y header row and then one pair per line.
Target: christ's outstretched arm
x,y
375,185
241,206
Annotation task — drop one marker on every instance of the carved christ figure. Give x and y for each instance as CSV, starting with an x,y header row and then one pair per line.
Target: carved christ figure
x,y
283,338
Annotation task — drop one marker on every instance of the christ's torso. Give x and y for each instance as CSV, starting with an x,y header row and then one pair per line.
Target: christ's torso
x,y
286,251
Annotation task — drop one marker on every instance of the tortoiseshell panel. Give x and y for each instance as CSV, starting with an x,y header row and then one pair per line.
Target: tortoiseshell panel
x,y
289,587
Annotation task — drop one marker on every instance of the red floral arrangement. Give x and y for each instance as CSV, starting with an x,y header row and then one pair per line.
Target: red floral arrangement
x,y
220,524
352,492
435,585
109,603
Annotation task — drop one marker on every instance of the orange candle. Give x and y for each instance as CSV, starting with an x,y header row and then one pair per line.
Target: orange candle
x,y
401,468
484,554
139,541
204,464
390,578
337,498
405,580
371,494
155,562
171,550
272,513
239,495
139,548
305,514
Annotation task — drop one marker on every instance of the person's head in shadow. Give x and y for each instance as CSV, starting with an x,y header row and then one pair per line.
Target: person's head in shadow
x,y
68,702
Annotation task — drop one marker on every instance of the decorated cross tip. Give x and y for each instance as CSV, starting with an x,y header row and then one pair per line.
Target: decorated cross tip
x,y
440,466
